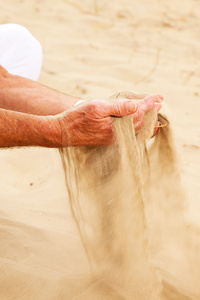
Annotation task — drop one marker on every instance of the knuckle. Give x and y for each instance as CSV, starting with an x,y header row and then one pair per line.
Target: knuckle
x,y
119,107
91,107
95,109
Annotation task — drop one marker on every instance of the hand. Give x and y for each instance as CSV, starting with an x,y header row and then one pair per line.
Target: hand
x,y
143,107
146,103
91,123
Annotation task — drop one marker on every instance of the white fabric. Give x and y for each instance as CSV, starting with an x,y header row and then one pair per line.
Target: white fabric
x,y
20,52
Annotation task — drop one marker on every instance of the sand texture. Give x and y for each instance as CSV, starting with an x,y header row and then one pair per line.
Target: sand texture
x,y
93,49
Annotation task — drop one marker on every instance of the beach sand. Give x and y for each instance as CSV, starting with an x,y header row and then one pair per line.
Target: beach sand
x,y
92,49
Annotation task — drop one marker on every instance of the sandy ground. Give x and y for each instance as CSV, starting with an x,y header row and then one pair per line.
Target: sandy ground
x,y
92,49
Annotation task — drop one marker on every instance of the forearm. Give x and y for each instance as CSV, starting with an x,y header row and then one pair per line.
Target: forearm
x,y
23,95
20,129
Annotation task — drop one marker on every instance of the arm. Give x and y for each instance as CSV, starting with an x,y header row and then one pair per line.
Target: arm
x,y
24,121
88,124
20,129
24,95
25,103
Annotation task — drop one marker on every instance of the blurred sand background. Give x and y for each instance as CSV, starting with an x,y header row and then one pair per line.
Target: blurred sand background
x,y
92,49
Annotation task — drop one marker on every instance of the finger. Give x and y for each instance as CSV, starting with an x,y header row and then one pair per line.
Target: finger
x,y
156,97
160,98
157,106
150,102
156,129
121,108
155,132
147,103
138,116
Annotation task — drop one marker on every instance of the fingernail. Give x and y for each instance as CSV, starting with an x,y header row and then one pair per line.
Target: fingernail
x,y
131,106
160,97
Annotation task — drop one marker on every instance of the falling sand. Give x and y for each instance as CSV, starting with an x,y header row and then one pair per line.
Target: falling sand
x,y
128,204
116,228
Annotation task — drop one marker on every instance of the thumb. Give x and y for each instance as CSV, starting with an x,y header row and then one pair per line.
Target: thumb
x,y
121,108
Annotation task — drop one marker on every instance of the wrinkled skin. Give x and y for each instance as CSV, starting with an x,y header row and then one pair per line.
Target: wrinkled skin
x,y
91,123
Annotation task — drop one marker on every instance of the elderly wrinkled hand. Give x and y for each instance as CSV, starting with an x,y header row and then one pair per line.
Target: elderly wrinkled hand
x,y
91,123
